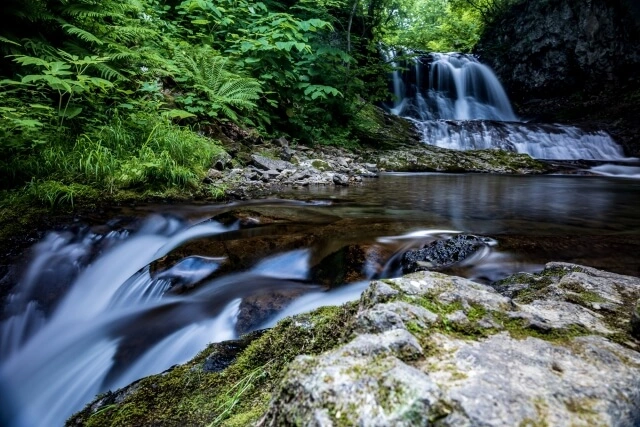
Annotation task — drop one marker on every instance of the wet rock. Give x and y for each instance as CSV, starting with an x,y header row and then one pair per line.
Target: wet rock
x,y
443,253
257,309
371,167
340,179
223,354
426,158
266,163
551,48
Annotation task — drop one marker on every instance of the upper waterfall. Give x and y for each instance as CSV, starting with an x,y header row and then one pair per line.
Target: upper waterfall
x,y
450,86
449,95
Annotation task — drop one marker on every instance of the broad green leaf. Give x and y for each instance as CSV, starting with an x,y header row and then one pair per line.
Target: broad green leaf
x,y
71,112
177,114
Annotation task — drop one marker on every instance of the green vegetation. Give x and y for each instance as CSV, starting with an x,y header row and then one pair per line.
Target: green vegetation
x,y
98,97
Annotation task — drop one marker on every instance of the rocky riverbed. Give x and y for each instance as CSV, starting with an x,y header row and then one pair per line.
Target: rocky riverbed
x,y
555,348
279,164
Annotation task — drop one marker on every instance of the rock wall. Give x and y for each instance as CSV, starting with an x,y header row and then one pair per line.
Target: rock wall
x,y
551,48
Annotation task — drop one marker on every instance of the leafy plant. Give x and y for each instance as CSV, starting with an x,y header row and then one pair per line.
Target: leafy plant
x,y
67,76
212,90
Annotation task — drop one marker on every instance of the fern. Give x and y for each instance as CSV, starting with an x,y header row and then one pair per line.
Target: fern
x,y
82,34
223,92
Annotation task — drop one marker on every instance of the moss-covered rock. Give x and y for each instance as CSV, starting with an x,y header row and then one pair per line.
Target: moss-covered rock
x,y
376,128
419,349
428,158
191,395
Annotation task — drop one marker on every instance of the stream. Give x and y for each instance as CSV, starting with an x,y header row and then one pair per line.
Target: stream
x,y
100,304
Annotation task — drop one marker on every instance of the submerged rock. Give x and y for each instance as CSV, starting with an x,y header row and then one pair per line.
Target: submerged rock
x,y
443,253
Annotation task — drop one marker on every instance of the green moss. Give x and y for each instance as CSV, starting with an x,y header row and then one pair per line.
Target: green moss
x,y
189,396
321,165
374,127
520,329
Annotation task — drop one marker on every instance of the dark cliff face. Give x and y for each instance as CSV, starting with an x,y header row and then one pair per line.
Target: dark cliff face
x,y
572,61
550,48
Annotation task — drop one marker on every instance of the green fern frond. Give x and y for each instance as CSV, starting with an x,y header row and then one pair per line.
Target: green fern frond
x,y
86,11
226,92
109,73
7,41
82,34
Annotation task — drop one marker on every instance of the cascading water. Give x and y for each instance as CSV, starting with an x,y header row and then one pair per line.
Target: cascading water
x,y
91,314
462,106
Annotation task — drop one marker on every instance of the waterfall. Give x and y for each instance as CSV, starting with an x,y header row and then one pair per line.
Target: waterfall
x,y
463,106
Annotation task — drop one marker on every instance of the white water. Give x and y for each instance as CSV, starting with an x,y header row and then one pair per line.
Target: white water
x,y
54,365
464,107
618,171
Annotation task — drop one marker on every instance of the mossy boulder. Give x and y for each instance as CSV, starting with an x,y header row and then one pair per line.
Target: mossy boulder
x,y
428,158
375,127
425,348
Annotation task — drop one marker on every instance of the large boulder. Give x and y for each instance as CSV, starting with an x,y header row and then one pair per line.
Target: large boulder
x,y
553,348
436,348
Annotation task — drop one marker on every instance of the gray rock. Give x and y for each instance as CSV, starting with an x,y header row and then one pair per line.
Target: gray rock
x,y
387,316
444,253
286,154
377,292
495,380
550,314
339,389
214,174
266,163
371,167
502,381
281,142
340,179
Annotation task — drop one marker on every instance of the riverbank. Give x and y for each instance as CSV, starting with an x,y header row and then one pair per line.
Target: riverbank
x,y
247,166
422,347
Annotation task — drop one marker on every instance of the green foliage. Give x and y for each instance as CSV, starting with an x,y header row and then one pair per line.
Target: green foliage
x,y
211,90
435,26
140,151
67,76
91,91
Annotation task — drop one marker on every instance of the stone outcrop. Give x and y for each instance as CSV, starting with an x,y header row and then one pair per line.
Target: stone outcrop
x,y
266,171
431,347
551,48
571,62
552,348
